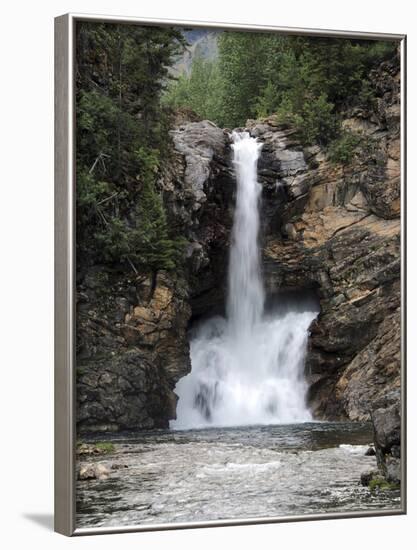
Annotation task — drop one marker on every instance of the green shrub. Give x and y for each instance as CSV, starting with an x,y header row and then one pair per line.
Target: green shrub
x,y
318,123
315,121
343,149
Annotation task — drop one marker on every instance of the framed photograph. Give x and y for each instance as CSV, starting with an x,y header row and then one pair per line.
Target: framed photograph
x,y
230,282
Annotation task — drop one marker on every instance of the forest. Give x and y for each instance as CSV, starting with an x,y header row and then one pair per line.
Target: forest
x,y
122,131
305,81
127,96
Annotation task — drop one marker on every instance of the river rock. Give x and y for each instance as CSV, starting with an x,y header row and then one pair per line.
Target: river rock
x,y
370,451
387,435
93,471
367,477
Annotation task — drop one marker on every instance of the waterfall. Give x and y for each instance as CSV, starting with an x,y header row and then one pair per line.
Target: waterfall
x,y
246,295
247,368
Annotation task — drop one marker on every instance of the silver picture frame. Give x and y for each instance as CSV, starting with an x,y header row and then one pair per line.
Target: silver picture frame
x,y
65,263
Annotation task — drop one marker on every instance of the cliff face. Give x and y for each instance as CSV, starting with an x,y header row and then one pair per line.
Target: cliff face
x,y
134,348
325,226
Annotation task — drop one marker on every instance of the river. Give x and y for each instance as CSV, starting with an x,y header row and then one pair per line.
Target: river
x,y
233,473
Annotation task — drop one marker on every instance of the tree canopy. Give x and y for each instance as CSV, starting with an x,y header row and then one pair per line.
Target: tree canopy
x,y
122,131
305,81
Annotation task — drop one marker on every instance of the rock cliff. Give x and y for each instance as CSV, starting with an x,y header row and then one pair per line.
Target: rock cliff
x,y
330,228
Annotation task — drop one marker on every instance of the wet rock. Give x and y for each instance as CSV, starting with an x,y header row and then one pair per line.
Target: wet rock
x,y
94,470
387,427
117,466
125,391
90,449
126,379
387,435
370,451
367,477
376,482
392,469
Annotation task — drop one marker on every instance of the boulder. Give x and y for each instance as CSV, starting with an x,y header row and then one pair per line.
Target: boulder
x,y
93,470
387,435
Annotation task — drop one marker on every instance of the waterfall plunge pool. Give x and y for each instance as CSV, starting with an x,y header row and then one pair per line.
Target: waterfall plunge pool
x,y
251,380
233,473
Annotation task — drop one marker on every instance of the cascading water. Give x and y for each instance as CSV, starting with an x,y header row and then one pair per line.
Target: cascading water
x,y
246,294
248,368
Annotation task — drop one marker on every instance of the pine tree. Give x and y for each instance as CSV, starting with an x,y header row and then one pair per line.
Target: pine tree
x,y
122,71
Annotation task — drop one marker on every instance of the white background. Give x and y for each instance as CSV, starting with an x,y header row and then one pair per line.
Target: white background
x,y
26,286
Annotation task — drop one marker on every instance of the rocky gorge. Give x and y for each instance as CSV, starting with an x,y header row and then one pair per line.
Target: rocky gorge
x,y
329,228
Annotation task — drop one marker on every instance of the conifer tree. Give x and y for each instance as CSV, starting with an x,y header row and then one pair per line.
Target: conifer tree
x,y
122,71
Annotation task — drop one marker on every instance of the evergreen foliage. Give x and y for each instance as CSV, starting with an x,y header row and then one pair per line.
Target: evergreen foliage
x,y
122,133
199,91
143,238
343,149
306,82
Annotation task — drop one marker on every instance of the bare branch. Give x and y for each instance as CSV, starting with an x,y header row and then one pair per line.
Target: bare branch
x,y
107,198
132,265
100,158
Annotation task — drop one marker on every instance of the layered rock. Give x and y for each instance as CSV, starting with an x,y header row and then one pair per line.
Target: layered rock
x,y
387,430
133,348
